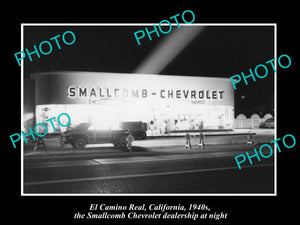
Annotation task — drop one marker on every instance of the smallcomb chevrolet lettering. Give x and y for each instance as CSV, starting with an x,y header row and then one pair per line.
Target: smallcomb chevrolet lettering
x,y
99,92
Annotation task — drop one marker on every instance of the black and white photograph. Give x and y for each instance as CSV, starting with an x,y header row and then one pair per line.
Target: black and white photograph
x,y
149,114
128,109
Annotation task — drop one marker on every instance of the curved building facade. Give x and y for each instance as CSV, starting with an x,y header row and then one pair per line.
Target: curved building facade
x,y
166,103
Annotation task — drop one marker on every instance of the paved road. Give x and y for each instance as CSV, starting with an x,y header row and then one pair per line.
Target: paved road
x,y
156,170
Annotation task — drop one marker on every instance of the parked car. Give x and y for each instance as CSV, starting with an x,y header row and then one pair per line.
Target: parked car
x,y
85,134
269,123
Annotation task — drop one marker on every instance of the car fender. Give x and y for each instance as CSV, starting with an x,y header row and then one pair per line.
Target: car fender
x,y
76,136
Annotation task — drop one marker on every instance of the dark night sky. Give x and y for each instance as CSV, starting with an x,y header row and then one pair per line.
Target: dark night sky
x,y
218,51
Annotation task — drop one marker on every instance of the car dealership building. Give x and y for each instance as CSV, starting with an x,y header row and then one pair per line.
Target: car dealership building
x,y
166,103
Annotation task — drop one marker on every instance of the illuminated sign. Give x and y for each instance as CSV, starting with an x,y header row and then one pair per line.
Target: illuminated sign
x,y
98,92
76,87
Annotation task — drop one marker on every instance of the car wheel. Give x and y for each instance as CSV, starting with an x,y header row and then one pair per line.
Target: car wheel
x,y
80,143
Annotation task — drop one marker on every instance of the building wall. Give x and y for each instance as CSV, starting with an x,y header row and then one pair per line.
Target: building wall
x,y
242,122
166,102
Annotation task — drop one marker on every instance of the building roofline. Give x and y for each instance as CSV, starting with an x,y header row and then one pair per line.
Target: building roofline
x,y
59,72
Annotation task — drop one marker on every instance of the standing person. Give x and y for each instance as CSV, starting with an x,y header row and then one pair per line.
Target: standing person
x,y
250,139
129,140
201,140
151,127
38,143
188,141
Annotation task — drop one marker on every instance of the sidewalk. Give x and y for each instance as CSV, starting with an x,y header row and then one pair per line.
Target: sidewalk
x,y
161,144
261,131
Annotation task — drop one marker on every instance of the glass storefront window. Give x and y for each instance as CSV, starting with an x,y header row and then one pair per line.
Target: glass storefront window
x,y
165,120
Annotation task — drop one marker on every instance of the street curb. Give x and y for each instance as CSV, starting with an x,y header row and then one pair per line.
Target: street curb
x,y
150,151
